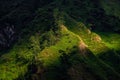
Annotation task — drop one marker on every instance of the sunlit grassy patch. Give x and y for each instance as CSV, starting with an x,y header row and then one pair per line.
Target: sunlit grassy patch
x,y
12,70
91,39
50,56
14,63
112,40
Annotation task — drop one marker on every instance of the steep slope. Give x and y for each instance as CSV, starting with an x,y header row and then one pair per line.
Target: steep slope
x,y
61,40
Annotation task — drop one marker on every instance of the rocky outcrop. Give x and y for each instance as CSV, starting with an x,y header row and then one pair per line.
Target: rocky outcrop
x,y
7,36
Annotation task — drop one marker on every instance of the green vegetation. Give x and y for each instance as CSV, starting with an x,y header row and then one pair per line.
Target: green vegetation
x,y
61,40
67,42
112,40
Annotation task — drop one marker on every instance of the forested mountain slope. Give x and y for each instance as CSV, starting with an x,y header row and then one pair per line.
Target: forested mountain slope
x,y
59,40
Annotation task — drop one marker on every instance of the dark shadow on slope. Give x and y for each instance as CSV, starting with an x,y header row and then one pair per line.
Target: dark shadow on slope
x,y
91,12
111,58
28,21
23,14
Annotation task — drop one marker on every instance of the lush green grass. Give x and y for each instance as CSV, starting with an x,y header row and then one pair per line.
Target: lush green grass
x,y
51,55
93,40
111,40
99,44
13,64
18,59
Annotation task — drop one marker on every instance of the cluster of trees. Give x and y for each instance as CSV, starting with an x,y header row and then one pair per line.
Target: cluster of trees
x,y
21,13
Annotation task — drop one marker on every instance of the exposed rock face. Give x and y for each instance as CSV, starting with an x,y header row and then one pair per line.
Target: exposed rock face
x,y
7,36
96,38
83,48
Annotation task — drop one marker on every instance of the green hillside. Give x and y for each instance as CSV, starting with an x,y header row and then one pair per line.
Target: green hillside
x,y
59,40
